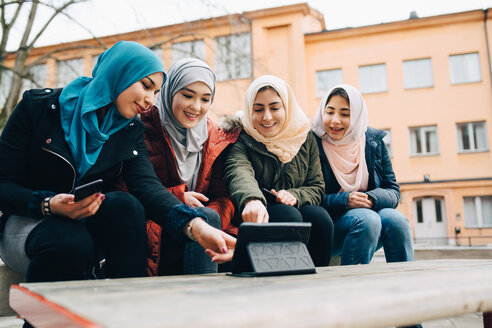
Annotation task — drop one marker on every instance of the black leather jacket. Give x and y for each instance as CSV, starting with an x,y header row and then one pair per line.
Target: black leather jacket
x,y
35,160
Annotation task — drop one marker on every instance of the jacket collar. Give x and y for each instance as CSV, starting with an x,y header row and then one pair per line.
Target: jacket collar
x,y
119,146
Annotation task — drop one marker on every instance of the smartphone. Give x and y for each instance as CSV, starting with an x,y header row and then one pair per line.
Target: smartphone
x,y
271,198
87,189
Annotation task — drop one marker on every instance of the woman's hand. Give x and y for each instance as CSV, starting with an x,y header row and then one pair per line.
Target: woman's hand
x,y
285,197
358,199
64,205
194,199
254,211
218,245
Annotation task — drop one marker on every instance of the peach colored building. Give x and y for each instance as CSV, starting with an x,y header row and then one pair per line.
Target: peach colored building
x,y
427,81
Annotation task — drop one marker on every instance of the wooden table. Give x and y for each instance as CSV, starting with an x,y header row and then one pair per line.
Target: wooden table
x,y
374,295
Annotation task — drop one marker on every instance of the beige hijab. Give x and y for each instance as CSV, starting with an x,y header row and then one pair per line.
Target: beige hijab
x,y
292,135
347,156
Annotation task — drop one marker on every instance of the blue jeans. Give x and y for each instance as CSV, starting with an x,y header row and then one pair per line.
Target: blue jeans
x,y
187,257
195,259
360,232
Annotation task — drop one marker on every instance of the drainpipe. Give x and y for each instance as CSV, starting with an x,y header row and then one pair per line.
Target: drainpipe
x,y
485,11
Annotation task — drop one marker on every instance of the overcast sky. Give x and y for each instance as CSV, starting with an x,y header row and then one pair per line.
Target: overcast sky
x,y
105,17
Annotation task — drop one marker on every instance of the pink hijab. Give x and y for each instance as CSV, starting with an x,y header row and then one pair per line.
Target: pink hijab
x,y
347,156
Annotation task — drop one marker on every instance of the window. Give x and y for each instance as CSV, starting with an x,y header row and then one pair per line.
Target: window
x,y
195,49
68,70
5,86
372,78
472,137
417,73
465,68
233,57
438,206
37,77
478,211
325,80
420,216
387,141
423,140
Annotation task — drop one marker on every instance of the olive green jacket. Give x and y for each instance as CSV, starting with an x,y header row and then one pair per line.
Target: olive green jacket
x,y
249,166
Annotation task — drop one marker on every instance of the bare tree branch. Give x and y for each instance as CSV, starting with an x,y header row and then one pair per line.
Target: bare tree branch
x,y
48,54
6,27
4,4
101,42
20,69
57,11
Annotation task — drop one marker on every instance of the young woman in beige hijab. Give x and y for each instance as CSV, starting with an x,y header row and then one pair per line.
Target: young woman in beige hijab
x,y
276,151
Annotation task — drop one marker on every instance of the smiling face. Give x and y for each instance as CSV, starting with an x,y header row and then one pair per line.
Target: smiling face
x,y
139,96
268,114
191,104
336,117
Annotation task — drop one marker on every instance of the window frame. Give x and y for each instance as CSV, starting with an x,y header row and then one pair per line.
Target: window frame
x,y
28,84
242,59
422,132
388,141
61,84
364,89
477,204
472,141
321,92
453,78
197,44
419,83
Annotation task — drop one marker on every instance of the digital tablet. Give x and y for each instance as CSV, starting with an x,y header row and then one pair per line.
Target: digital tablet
x,y
280,233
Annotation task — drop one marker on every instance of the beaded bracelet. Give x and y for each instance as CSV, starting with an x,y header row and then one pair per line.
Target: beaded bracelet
x,y
46,206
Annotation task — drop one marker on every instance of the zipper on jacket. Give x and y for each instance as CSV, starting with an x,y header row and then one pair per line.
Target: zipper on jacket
x,y
67,161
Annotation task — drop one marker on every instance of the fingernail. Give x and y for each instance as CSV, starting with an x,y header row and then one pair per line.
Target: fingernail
x,y
103,197
224,250
98,194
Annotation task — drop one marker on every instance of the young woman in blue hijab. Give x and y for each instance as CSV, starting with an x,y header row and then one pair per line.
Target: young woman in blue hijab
x,y
58,139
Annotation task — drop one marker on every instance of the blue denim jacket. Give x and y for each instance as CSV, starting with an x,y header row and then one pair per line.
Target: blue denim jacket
x,y
382,186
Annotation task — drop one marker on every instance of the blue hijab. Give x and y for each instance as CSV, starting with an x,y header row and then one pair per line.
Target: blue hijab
x,y
116,69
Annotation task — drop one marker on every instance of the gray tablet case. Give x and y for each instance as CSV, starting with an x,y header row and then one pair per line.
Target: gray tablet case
x,y
272,249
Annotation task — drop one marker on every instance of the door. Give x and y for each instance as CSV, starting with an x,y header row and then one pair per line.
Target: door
x,y
430,221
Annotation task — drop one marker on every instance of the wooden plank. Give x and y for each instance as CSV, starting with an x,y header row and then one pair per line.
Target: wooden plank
x,y
45,313
375,295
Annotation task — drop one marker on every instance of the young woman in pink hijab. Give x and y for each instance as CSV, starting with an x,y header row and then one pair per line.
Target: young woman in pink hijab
x,y
360,185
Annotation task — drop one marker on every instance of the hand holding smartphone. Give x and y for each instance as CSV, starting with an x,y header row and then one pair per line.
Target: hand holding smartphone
x,y
87,189
271,197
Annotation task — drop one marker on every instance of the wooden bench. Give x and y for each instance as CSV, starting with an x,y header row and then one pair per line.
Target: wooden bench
x,y
7,278
374,295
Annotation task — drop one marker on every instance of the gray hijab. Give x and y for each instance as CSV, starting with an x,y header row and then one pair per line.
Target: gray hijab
x,y
187,143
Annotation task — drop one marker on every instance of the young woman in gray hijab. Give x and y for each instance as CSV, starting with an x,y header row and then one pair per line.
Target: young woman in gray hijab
x,y
185,146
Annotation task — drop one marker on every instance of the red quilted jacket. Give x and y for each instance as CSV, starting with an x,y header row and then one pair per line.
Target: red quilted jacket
x,y
209,180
